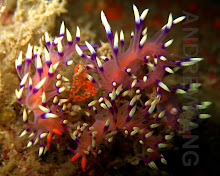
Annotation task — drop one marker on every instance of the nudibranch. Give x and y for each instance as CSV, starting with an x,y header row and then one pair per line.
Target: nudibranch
x,y
138,71
35,91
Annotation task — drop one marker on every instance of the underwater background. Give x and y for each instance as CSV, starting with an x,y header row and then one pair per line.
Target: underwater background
x,y
25,21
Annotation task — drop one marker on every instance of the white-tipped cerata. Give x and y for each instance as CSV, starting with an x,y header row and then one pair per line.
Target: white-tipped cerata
x,y
78,50
144,32
68,36
163,86
144,14
25,115
136,14
19,60
24,79
122,38
47,38
91,49
40,84
60,47
77,33
29,52
168,43
116,41
62,29
47,56
143,40
41,149
170,21
179,19
105,23
39,62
